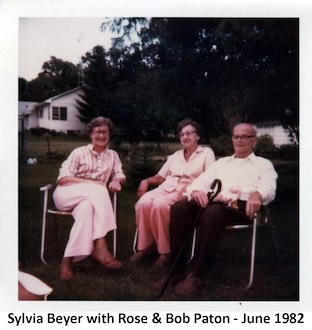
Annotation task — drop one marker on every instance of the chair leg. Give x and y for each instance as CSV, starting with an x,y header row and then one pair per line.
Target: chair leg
x,y
192,246
252,254
135,240
44,218
275,246
115,231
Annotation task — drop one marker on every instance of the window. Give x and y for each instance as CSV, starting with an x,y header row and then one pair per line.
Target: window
x,y
40,113
59,113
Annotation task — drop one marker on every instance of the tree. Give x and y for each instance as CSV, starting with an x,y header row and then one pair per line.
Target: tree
x,y
23,94
217,71
119,86
98,92
270,53
57,76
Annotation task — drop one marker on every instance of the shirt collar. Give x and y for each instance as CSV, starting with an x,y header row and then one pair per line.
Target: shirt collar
x,y
252,157
198,149
90,147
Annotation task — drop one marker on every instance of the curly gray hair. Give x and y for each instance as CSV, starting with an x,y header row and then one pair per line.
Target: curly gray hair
x,y
192,122
99,121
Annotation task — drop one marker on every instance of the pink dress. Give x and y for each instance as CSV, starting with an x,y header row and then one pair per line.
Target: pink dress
x,y
90,202
153,208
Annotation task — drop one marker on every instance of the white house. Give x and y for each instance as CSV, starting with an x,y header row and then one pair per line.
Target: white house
x,y
275,130
24,115
57,113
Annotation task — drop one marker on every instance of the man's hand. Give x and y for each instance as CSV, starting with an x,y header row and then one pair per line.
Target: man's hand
x,y
200,198
253,204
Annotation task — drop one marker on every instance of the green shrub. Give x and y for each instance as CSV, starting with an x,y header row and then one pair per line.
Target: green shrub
x,y
288,151
54,156
38,131
265,147
222,145
138,171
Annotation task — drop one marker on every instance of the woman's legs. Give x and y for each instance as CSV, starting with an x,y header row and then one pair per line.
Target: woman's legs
x,y
92,210
160,218
152,218
142,213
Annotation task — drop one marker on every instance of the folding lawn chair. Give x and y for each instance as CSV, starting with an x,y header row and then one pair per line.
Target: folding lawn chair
x,y
261,219
32,287
55,212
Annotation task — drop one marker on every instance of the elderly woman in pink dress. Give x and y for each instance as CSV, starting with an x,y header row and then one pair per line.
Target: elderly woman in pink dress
x,y
83,185
153,208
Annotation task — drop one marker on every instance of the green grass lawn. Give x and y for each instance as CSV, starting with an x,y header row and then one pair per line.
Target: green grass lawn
x,y
225,282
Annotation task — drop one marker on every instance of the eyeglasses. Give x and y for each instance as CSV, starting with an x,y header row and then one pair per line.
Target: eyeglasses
x,y
242,137
99,132
187,133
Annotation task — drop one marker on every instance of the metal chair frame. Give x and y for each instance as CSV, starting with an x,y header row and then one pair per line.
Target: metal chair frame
x,y
261,219
55,212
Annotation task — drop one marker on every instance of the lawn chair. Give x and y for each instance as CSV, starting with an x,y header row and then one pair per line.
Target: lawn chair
x,y
32,288
55,212
261,220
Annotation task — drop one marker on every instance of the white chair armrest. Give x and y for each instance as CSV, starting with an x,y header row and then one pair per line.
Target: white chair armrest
x,y
47,187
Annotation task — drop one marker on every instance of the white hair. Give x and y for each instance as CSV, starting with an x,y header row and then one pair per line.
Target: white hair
x,y
252,126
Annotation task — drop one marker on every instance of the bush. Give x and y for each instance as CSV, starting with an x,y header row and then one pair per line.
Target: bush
x,y
222,145
38,131
138,171
288,151
53,156
265,147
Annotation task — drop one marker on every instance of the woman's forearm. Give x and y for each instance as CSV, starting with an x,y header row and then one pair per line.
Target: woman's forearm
x,y
155,180
72,180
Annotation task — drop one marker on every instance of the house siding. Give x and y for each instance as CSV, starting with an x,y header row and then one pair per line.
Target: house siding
x,y
278,134
25,115
67,100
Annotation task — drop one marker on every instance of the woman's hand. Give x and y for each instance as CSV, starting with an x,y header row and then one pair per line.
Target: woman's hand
x,y
114,186
182,194
143,187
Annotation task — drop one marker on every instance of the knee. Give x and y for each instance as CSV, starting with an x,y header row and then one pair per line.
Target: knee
x,y
182,213
214,209
83,211
177,209
181,220
84,206
212,215
159,204
142,203
85,203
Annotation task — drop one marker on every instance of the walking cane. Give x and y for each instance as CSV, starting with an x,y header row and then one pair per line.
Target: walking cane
x,y
212,193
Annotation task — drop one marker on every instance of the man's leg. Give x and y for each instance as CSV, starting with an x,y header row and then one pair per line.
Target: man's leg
x,y
182,217
211,225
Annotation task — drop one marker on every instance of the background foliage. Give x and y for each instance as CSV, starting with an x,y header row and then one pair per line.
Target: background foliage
x,y
217,71
93,283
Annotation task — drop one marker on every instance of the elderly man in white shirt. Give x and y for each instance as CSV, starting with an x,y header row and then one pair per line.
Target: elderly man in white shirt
x,y
248,181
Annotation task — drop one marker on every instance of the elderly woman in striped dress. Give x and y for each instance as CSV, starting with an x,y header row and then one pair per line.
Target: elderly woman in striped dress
x,y
83,185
